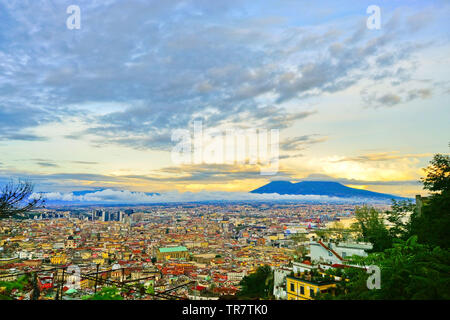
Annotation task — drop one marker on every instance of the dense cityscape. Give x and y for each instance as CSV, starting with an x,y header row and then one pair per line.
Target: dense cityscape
x,y
209,247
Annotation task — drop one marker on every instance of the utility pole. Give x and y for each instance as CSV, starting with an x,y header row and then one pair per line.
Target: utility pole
x,y
195,290
62,284
57,285
36,291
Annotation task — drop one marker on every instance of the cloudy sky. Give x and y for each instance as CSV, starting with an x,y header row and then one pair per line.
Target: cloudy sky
x,y
95,107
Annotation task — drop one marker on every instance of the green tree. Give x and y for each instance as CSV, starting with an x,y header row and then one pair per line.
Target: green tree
x,y
7,286
15,199
397,216
409,271
107,293
150,289
370,225
300,248
438,174
258,285
432,222
322,233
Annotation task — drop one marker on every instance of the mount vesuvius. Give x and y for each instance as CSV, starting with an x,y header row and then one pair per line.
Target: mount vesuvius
x,y
324,188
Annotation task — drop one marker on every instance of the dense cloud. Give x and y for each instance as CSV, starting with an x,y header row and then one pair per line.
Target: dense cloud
x,y
165,63
121,197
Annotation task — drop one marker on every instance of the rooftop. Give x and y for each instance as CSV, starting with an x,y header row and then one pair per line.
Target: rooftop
x,y
172,249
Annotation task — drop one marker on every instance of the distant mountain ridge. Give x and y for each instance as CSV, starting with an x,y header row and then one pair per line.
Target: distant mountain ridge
x,y
324,188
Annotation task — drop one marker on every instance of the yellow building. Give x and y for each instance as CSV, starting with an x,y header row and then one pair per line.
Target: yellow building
x,y
70,244
98,261
58,259
301,289
84,283
179,252
85,255
46,246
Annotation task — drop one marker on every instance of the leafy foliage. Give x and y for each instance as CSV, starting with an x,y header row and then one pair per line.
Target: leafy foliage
x,y
20,283
433,225
400,228
417,263
107,293
300,249
433,222
438,174
409,271
371,227
258,284
7,286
